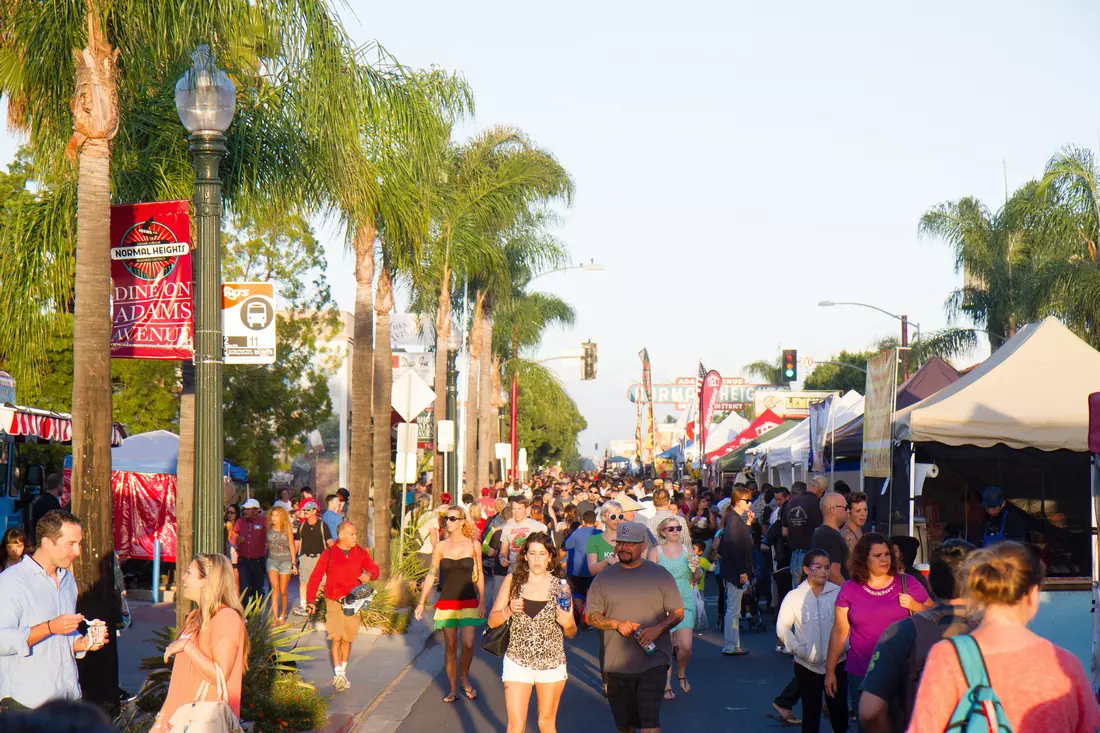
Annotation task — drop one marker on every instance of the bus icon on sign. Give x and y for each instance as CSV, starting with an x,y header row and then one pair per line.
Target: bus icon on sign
x,y
257,315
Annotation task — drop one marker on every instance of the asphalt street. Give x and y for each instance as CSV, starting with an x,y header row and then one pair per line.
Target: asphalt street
x,y
728,693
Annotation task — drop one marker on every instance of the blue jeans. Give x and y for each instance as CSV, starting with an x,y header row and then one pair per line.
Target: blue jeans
x,y
855,690
796,566
731,624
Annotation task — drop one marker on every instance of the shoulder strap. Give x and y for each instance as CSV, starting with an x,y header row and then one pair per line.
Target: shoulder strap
x,y
970,659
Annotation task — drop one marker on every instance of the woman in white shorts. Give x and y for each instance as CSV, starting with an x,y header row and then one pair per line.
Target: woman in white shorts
x,y
528,599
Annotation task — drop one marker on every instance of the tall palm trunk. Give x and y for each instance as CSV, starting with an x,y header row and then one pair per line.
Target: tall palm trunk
x,y
472,483
362,380
383,385
95,121
485,402
498,414
442,334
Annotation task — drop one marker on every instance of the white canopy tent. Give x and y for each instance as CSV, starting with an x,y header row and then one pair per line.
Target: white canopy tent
x,y
787,456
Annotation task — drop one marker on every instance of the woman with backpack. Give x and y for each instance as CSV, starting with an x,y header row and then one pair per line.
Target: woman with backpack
x,y
1030,684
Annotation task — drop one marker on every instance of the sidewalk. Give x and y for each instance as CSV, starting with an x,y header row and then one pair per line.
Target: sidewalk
x,y
376,661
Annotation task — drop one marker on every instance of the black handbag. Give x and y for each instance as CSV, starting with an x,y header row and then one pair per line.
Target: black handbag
x,y
495,641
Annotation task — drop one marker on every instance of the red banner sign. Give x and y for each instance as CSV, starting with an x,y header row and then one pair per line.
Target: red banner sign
x,y
151,293
767,421
712,384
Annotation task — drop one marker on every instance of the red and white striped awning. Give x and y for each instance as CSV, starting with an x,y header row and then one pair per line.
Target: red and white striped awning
x,y
28,424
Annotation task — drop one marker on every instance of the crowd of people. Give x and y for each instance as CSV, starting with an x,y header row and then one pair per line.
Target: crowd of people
x,y
877,645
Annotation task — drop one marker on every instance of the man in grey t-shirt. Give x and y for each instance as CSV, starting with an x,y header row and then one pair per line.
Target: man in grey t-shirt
x,y
635,596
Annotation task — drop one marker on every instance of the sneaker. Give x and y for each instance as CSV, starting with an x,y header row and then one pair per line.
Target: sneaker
x,y
300,611
340,682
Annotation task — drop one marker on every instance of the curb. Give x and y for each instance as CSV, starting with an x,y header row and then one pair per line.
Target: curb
x,y
340,723
430,641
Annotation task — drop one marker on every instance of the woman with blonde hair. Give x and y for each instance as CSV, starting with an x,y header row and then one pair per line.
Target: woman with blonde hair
x,y
282,561
1042,687
672,555
476,516
212,648
456,563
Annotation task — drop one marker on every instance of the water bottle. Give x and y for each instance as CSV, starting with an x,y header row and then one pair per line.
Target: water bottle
x,y
649,648
565,596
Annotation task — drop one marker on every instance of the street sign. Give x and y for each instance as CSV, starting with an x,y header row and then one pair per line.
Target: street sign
x,y
406,437
446,436
521,461
410,396
734,393
248,323
404,468
422,364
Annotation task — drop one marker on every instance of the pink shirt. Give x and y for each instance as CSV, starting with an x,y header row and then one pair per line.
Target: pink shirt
x,y
1042,687
870,611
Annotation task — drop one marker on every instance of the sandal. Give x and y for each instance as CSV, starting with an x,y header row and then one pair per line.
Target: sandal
x,y
450,698
669,694
684,686
470,692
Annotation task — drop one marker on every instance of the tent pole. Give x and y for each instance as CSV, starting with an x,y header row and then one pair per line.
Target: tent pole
x,y
912,484
1094,466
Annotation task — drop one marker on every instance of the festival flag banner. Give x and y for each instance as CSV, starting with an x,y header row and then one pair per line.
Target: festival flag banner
x,y
151,289
712,384
768,420
821,418
647,385
878,415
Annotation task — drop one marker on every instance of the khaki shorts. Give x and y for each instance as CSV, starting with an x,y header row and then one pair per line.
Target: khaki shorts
x,y
340,626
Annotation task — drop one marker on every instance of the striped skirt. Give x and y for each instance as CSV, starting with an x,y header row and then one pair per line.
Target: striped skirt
x,y
454,614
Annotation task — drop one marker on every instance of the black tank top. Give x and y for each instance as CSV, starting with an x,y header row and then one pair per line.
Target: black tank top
x,y
457,579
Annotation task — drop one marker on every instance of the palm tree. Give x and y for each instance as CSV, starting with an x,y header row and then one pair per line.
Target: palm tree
x,y
1070,279
491,182
770,372
299,44
998,254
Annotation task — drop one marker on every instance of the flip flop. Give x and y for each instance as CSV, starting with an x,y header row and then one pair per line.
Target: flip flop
x,y
470,692
785,721
685,687
450,698
669,694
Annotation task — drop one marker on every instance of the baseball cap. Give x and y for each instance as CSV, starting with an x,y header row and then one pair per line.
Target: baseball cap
x,y
993,497
307,505
251,504
343,494
630,532
485,491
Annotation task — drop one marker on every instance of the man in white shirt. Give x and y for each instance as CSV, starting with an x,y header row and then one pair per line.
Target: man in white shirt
x,y
515,531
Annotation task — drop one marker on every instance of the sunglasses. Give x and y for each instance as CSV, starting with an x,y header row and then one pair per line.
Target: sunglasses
x,y
452,519
620,517
672,529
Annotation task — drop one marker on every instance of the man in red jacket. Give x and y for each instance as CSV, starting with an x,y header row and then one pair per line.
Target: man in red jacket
x,y
342,566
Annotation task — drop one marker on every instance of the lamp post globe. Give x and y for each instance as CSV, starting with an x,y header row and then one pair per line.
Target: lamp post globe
x,y
205,101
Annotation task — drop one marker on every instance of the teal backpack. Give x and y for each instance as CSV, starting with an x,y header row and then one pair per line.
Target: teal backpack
x,y
979,710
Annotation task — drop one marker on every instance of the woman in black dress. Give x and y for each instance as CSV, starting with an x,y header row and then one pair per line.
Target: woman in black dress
x,y
456,562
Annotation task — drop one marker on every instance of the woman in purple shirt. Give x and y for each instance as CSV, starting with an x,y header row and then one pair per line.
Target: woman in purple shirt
x,y
877,595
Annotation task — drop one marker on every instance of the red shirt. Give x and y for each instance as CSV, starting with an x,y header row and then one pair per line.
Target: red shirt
x,y
340,572
488,504
251,537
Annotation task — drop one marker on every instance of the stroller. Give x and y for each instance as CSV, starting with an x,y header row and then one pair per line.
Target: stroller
x,y
753,603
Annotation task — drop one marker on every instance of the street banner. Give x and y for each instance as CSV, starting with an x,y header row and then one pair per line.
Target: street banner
x,y
878,415
767,421
638,430
821,418
151,295
248,323
712,383
647,385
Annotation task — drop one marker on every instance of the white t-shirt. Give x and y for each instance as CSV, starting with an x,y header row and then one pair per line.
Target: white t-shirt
x,y
514,534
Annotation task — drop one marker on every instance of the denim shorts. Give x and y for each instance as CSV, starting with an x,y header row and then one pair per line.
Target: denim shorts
x,y
281,565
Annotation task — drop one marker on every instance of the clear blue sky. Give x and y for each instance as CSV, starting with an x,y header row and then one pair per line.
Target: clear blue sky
x,y
738,162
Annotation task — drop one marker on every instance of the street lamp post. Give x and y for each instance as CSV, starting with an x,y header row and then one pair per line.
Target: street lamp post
x,y
904,328
454,342
205,100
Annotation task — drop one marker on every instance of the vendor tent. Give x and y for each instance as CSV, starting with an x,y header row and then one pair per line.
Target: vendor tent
x,y
143,484
925,382
1030,393
736,460
794,448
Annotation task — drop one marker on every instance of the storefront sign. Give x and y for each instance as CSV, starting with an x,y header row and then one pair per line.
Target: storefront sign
x,y
151,295
787,404
733,395
878,415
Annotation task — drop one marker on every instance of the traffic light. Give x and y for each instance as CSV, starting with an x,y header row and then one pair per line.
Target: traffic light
x,y
790,365
588,361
